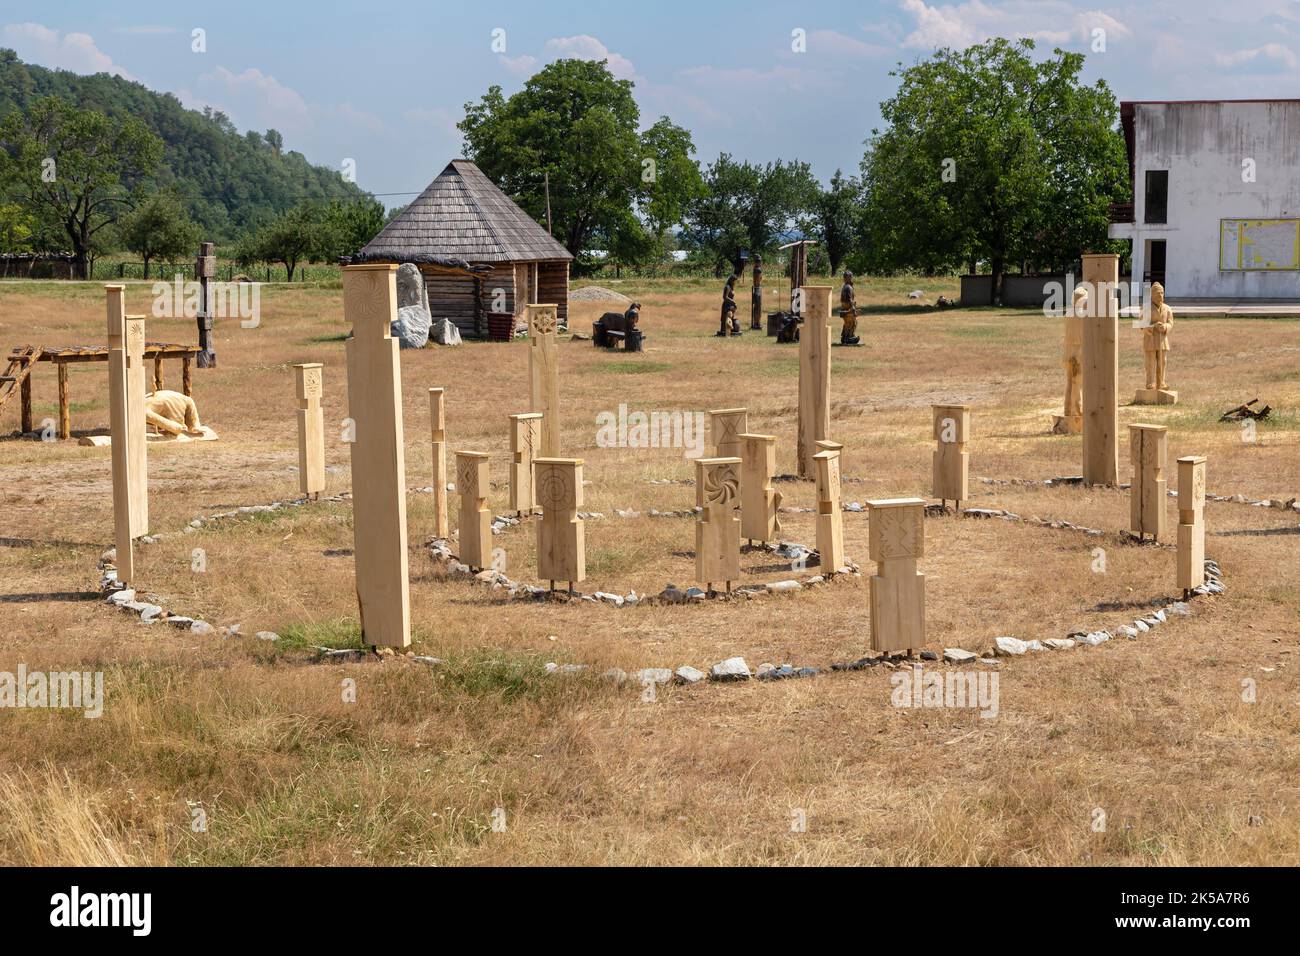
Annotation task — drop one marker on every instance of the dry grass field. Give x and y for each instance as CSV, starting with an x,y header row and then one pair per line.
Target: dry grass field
x,y
1155,732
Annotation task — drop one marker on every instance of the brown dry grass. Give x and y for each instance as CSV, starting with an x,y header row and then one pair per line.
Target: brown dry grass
x,y
1154,732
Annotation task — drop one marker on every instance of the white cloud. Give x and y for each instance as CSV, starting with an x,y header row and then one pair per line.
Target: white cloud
x,y
830,42
146,29
1270,57
522,65
584,47
959,25
254,100
76,52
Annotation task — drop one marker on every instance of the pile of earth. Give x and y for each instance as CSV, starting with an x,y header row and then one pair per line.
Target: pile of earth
x,y
596,293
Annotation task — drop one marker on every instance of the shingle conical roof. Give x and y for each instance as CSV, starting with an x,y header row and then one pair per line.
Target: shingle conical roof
x,y
462,215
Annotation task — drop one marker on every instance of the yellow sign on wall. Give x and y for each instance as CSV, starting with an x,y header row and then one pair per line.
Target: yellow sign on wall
x,y
1259,245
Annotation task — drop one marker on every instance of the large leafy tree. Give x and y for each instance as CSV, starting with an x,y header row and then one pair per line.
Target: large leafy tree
x,y
77,167
158,228
670,180
576,124
834,216
347,226
988,154
748,206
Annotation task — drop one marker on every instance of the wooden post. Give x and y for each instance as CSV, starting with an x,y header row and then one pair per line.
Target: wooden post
x,y
897,540
543,374
726,426
525,436
25,396
830,520
760,502
438,435
378,455
65,410
1148,446
311,429
475,516
814,374
1191,522
951,463
717,528
157,373
187,375
561,540
1101,372
126,423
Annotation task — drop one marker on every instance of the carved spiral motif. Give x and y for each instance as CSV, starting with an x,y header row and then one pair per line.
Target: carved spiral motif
x,y
555,490
721,485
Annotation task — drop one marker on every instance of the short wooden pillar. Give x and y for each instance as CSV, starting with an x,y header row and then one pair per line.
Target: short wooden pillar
x,y
543,374
726,426
475,516
438,439
897,541
311,428
717,526
814,374
830,520
950,471
378,455
1101,372
760,502
127,424
1191,522
561,541
65,408
1148,446
525,437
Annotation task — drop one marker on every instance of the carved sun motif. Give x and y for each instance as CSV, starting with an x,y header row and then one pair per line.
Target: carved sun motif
x,y
543,322
721,485
311,381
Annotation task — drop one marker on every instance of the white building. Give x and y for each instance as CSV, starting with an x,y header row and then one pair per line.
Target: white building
x,y
1216,197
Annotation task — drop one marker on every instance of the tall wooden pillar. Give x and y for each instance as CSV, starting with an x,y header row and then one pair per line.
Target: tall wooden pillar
x,y
897,540
311,429
475,515
378,455
814,374
950,470
525,437
561,541
760,502
1191,522
830,520
126,390
543,374
1148,446
438,436
717,528
1101,372
726,426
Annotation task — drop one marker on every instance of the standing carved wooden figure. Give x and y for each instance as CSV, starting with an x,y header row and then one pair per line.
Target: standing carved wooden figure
x,y
1191,522
438,437
760,502
1148,446
311,429
897,540
126,388
814,374
830,520
717,529
1101,372
475,516
951,463
525,436
561,541
377,455
543,374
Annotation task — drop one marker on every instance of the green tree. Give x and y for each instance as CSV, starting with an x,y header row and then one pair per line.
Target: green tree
x,y
575,123
292,237
746,206
834,217
670,181
158,228
989,155
347,226
77,166
17,226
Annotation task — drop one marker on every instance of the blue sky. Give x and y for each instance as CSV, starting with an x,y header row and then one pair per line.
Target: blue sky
x,y
385,84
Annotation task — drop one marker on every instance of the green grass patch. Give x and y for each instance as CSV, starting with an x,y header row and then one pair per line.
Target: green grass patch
x,y
341,633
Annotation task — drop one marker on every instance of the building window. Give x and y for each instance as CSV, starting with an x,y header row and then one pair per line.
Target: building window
x,y
1157,196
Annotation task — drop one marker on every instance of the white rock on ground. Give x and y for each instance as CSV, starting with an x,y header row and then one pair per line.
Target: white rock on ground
x,y
733,668
1010,646
688,675
789,585
1059,643
957,655
652,675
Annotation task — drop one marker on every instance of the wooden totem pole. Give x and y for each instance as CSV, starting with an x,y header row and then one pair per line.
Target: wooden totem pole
x,y
525,437
814,374
543,374
1148,446
475,516
311,429
561,541
717,528
897,540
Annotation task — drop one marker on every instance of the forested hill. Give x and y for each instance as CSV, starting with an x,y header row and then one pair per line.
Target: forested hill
x,y
229,181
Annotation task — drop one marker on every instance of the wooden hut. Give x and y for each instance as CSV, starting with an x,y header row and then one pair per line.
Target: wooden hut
x,y
481,254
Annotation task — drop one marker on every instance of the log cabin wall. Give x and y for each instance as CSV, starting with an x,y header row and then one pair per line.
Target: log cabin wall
x,y
553,286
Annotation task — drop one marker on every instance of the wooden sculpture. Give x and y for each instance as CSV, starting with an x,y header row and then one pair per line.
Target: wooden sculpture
x,y
543,374
950,470
760,503
897,540
475,516
126,389
726,426
1147,452
438,436
1155,350
525,436
1070,421
377,455
814,374
1191,522
717,527
1101,372
830,520
311,429
561,542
